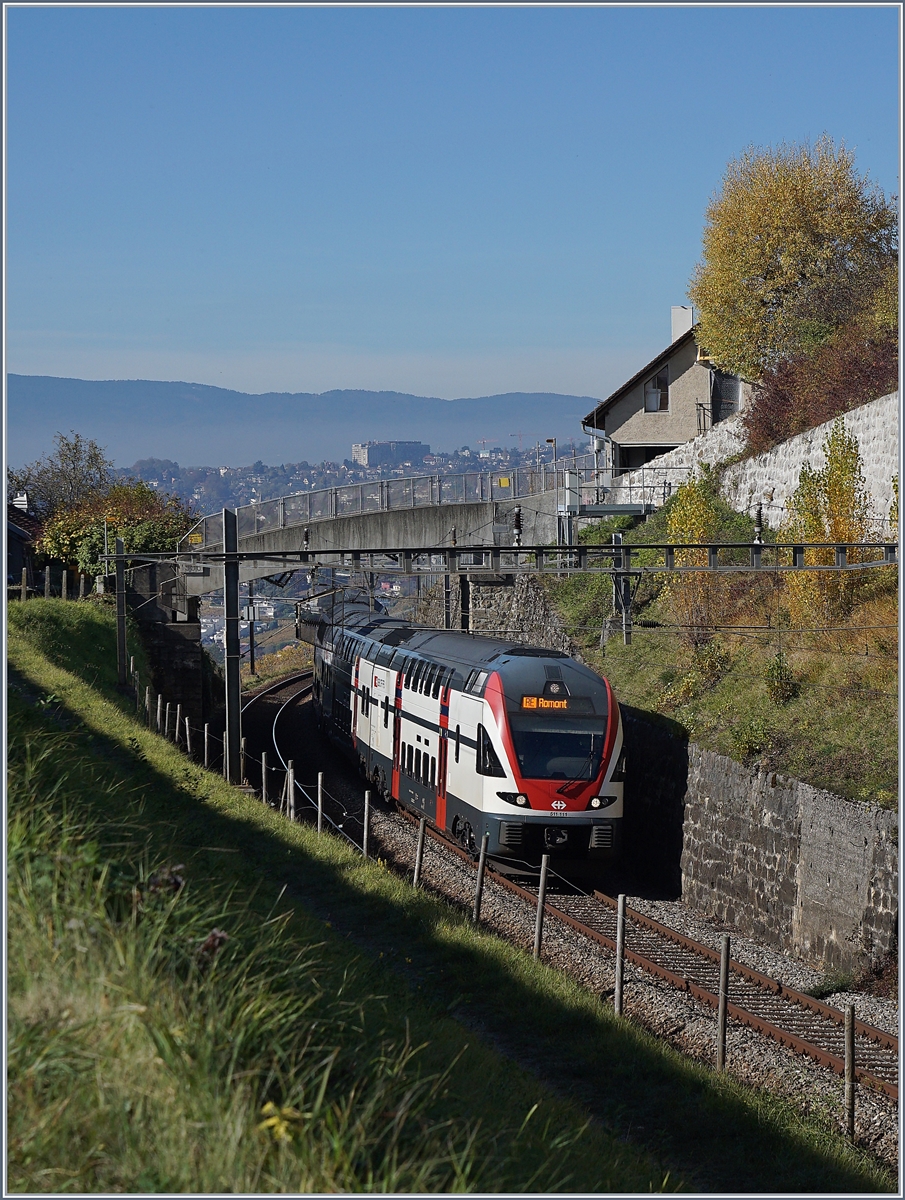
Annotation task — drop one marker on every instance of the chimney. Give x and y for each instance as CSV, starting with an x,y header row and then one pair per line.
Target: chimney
x,y
682,320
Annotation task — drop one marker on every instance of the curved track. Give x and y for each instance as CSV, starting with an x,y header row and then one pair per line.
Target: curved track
x,y
799,1022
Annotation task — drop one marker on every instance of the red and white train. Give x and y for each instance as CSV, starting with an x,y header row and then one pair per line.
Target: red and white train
x,y
477,734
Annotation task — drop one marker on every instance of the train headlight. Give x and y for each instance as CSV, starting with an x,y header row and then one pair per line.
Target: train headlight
x,y
603,801
518,798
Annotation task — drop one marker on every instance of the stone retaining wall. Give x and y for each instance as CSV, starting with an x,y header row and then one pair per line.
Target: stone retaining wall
x,y
772,477
810,871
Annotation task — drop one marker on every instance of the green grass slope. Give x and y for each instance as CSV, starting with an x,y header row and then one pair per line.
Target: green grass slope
x,y
205,998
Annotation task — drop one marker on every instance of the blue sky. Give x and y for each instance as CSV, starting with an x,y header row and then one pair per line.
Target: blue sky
x,y
445,201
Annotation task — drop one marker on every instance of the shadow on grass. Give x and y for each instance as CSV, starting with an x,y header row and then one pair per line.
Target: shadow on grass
x,y
647,1094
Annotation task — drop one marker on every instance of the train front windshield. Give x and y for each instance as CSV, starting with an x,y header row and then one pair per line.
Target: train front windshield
x,y
557,747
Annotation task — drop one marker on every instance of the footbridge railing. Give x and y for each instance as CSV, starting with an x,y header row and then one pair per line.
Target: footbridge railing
x,y
579,483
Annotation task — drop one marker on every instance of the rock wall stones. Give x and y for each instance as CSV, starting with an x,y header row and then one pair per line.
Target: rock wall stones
x,y
772,477
517,610
775,474
811,872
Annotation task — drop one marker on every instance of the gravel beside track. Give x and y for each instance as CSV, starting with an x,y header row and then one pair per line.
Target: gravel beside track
x,y
678,1018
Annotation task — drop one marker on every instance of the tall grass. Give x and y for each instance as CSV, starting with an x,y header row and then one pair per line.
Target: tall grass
x,y
165,1054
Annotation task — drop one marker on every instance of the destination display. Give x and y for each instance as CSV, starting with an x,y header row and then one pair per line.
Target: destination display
x,y
545,702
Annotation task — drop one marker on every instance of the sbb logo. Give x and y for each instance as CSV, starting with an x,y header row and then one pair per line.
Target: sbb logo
x,y
558,804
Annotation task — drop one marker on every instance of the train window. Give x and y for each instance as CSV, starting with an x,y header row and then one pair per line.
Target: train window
x,y
410,755
477,682
417,763
487,762
439,680
402,757
427,681
458,739
433,782
386,712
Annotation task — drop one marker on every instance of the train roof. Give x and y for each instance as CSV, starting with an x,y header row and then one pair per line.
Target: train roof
x,y
449,646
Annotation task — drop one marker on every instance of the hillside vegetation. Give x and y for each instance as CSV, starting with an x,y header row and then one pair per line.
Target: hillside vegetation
x,y
181,1019
762,669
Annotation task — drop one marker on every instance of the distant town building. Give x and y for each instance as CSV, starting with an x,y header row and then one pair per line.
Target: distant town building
x,y
388,454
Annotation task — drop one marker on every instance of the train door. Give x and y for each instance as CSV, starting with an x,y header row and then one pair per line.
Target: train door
x,y
465,713
380,725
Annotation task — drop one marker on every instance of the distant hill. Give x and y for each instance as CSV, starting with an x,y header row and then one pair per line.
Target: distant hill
x,y
197,424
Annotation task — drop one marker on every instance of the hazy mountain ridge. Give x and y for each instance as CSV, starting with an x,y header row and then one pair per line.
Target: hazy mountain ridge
x,y
203,423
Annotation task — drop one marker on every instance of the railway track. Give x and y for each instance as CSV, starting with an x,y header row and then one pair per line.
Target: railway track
x,y
799,1022
279,686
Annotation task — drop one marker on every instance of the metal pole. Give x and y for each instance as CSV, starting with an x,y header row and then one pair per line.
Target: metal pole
x,y
176,731
47,582
136,683
619,993
120,612
251,628
166,722
159,711
850,1071
81,585
233,733
366,822
724,999
320,802
207,744
291,786
64,585
242,759
541,901
24,592
264,777
419,852
148,705
479,886
188,738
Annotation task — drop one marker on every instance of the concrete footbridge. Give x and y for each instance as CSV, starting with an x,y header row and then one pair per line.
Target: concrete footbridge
x,y
489,508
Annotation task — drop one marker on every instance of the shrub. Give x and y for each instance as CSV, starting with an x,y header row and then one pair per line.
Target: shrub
x,y
830,505
697,599
781,683
751,737
857,365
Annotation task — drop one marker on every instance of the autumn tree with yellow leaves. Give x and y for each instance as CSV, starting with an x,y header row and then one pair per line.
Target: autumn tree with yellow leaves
x,y
796,246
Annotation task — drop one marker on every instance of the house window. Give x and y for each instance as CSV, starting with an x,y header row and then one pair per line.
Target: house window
x,y
656,392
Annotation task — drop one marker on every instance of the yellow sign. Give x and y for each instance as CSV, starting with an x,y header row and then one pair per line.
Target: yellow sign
x,y
543,702
195,539
504,481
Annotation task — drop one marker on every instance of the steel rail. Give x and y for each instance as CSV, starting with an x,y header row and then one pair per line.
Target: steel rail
x,y
770,989
313,803
276,687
